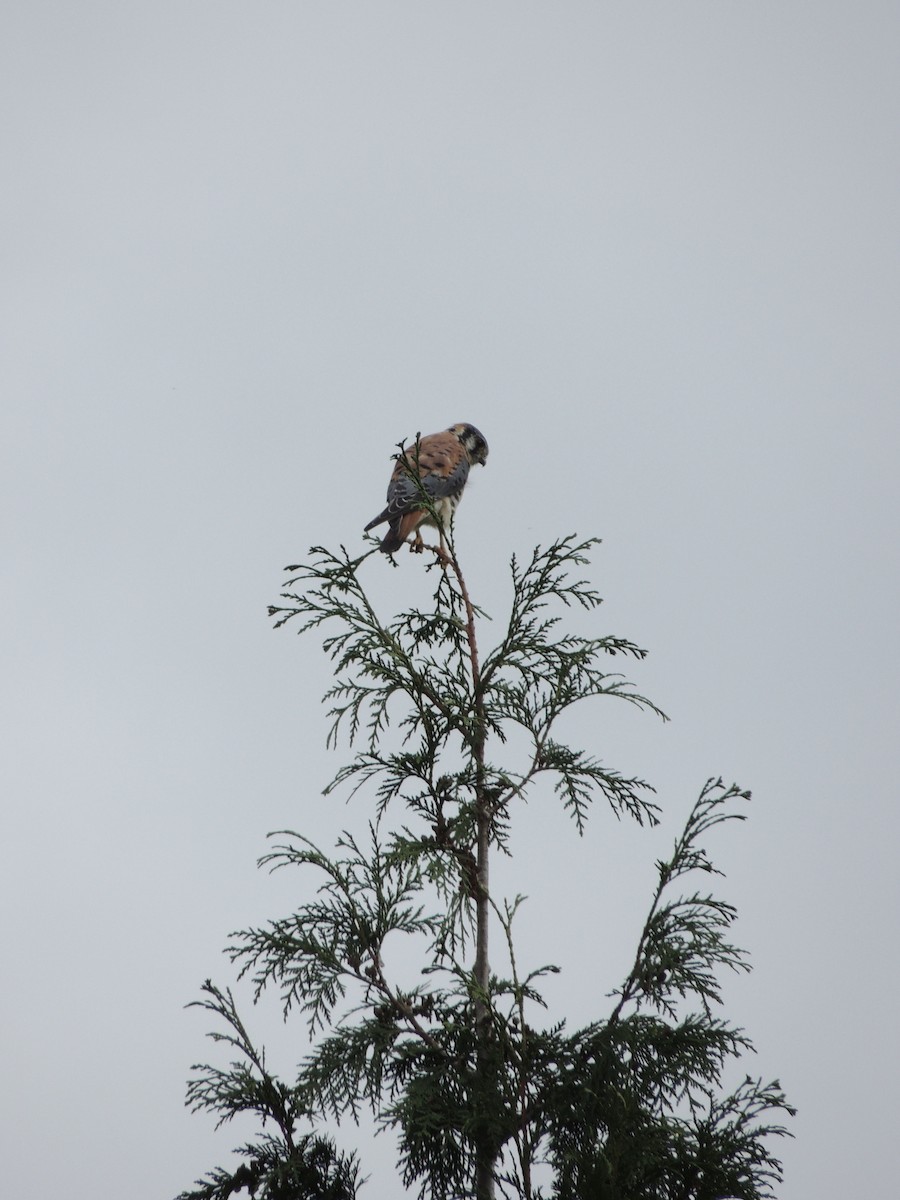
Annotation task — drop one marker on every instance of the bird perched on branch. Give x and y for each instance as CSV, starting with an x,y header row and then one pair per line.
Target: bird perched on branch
x,y
432,472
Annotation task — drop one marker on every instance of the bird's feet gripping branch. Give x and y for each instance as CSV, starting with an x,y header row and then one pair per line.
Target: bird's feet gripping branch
x,y
427,484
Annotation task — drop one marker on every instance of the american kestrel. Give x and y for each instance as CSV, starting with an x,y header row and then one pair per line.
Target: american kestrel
x,y
443,464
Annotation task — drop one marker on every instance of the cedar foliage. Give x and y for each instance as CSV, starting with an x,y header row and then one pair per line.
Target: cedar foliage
x,y
486,1099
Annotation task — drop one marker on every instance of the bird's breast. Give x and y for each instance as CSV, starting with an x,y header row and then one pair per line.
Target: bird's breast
x,y
445,508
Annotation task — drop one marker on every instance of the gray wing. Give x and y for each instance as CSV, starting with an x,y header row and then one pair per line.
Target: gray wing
x,y
443,469
403,495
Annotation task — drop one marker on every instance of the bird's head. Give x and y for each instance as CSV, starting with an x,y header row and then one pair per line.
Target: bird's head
x,y
473,442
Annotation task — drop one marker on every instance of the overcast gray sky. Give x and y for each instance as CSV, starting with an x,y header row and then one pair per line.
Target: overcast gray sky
x,y
652,251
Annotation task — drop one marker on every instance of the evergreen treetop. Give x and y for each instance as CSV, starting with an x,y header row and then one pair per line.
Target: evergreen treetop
x,y
486,1100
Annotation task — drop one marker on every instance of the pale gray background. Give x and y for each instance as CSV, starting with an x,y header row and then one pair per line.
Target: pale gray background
x,y
652,251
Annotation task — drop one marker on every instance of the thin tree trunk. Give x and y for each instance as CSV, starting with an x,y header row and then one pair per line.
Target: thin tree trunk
x,y
485,1152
